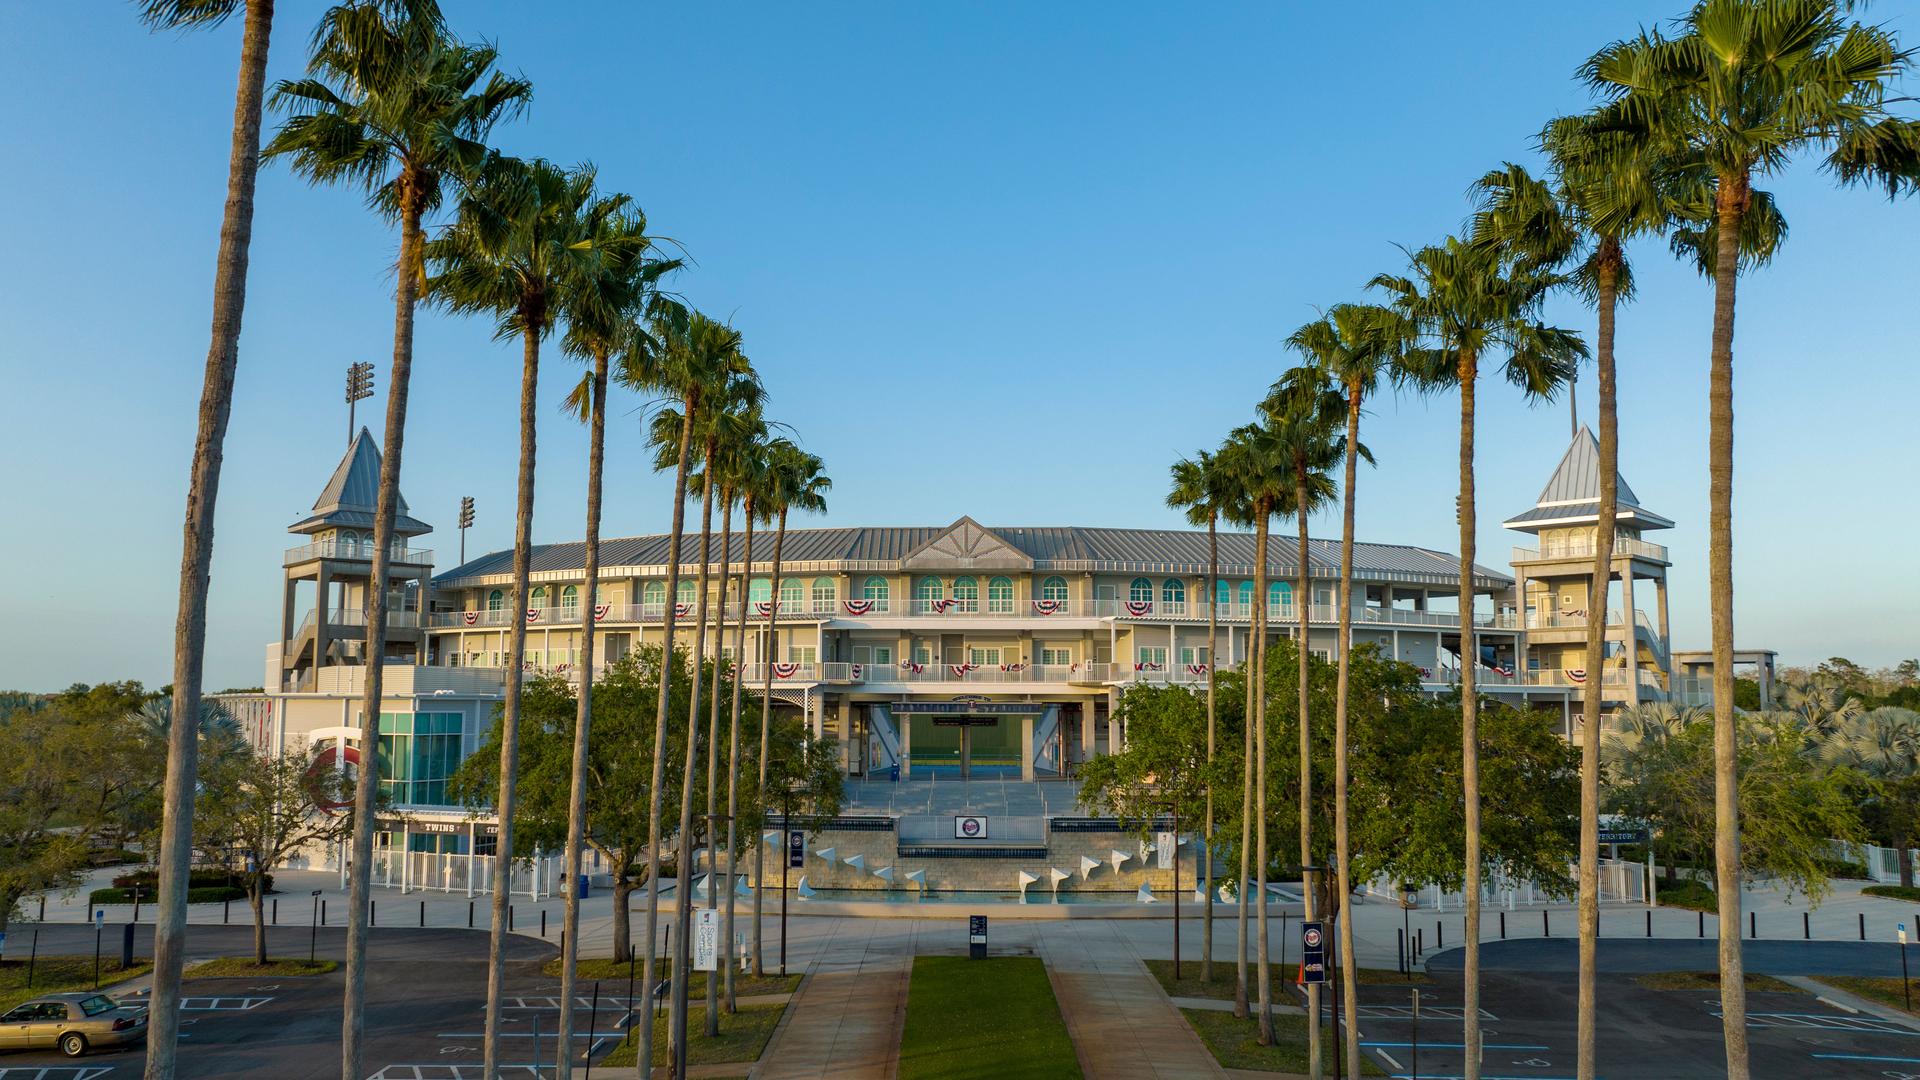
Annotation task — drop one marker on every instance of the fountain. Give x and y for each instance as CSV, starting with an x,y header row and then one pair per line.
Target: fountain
x,y
919,877
1145,895
885,874
1058,875
1116,857
1025,879
1087,864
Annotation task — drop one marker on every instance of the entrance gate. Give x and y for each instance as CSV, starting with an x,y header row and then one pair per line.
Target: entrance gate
x,y
968,738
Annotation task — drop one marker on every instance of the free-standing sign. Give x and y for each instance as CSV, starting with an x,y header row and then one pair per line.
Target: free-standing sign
x,y
1623,836
1164,845
1313,952
968,827
977,937
706,940
796,848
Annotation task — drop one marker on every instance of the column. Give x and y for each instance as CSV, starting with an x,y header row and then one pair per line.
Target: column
x,y
321,583
1632,642
1086,730
905,721
1026,746
406,859
845,732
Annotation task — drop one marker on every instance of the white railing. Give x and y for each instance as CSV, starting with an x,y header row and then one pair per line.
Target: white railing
x,y
427,871
356,617
346,549
400,680
1582,548
1620,882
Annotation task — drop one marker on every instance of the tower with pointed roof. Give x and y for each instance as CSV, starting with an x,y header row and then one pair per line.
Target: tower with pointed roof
x,y
1554,582
324,592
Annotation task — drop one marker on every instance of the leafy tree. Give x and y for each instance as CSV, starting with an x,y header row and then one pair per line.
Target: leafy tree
x,y
47,756
263,808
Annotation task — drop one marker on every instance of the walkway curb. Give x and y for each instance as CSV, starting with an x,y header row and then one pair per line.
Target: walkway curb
x,y
1852,1002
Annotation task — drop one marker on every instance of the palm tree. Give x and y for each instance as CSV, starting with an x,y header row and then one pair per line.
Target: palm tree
x,y
521,245
1306,412
747,469
796,480
1202,488
203,487
1747,85
602,311
394,105
1463,305
1233,463
1355,344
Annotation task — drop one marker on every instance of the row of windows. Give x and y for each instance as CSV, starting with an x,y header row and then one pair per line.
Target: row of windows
x,y
418,753
964,593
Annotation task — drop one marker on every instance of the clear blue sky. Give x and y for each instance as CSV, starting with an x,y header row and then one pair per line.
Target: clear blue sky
x,y
1005,260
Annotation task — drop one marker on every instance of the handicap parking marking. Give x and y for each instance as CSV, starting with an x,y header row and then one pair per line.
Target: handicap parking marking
x,y
1427,1012
552,1002
55,1072
1866,1025
219,1004
510,1071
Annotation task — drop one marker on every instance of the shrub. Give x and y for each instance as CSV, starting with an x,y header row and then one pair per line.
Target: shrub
x,y
148,881
1841,868
1894,892
206,894
1694,895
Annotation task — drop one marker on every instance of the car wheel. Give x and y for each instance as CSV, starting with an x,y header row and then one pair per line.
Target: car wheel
x,y
73,1044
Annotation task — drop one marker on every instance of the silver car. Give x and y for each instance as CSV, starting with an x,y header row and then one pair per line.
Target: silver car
x,y
75,1023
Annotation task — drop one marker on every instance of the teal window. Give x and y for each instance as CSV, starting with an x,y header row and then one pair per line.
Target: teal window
x,y
966,594
1279,594
926,591
539,597
654,594
823,594
683,592
1223,592
1246,595
418,753
1141,591
875,589
1174,592
1000,596
759,590
1054,588
570,600
793,595
496,600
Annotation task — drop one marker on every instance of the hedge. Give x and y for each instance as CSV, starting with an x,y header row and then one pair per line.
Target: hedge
x,y
209,894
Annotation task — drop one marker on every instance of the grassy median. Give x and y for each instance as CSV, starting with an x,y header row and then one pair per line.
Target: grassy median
x,y
1236,1045
608,972
1220,987
62,974
243,967
1710,981
743,1038
993,1019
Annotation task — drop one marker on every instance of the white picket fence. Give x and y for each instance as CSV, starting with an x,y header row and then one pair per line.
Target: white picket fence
x,y
1882,863
427,871
1621,882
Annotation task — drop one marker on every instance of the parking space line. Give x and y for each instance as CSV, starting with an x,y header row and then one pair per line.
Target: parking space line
x,y
1404,1012
1866,1025
1868,1057
221,1004
55,1072
456,1072
1457,1046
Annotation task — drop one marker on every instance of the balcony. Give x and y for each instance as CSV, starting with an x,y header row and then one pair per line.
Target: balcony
x,y
1583,549
398,554
357,620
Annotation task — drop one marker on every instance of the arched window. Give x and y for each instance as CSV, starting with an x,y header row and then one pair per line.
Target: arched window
x,y
1173,593
1223,592
496,600
539,600
759,590
1000,596
793,595
875,589
653,596
823,594
570,601
1054,588
966,594
925,592
1140,592
1279,597
1246,599
683,592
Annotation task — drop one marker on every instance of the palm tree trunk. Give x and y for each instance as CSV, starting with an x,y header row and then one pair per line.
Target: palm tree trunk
x,y
1730,204
766,718
583,719
1469,719
1597,590
733,752
713,752
657,793
510,709
196,549
1241,890
683,908
259,921
1310,885
1213,666
1343,645
360,872
1257,698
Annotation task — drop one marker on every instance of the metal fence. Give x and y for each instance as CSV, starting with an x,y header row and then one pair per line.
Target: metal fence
x,y
1621,882
427,871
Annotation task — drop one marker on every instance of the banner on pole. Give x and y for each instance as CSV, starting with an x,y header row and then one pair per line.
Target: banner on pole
x,y
706,940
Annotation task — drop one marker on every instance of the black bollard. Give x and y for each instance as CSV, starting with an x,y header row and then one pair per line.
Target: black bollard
x,y
323,913
276,911
1439,935
423,913
1700,920
1806,926
509,916
1649,922
1400,951
226,911
1753,924
469,914
1863,926
1546,929
1503,926
543,922
373,913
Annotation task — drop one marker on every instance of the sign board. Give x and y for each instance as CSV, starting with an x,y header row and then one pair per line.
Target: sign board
x,y
1623,836
977,937
1164,846
966,721
706,939
969,827
1313,952
1902,927
796,848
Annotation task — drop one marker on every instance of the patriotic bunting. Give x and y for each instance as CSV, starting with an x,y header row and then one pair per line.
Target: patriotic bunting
x,y
470,617
533,614
912,668
763,607
941,606
785,671
960,670
1048,607
1138,608
857,607
1013,667
681,609
1426,672
1196,669
1146,666
1576,674
600,611
858,670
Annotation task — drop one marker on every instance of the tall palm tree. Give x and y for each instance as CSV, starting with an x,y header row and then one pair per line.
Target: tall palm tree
x,y
746,467
521,244
662,365
394,105
1233,463
797,481
203,488
1201,487
1306,412
602,310
1748,85
1465,306
1355,344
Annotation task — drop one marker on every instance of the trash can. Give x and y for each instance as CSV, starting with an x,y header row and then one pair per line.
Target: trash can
x,y
586,890
893,773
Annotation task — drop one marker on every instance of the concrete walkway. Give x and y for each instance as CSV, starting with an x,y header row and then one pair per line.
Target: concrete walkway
x,y
1122,1023
846,1019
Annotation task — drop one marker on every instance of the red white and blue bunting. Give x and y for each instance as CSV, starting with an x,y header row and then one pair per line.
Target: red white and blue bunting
x,y
912,668
960,670
600,611
763,607
1576,674
1137,608
785,671
858,671
1049,607
1148,666
533,614
857,607
1013,667
941,606
682,609
1196,669
470,617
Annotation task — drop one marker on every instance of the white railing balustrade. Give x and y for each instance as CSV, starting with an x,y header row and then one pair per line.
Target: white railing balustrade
x,y
399,554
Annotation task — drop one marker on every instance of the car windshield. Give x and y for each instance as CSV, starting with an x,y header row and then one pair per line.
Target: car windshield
x,y
97,1004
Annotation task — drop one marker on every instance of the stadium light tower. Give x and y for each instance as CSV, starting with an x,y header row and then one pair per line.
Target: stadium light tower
x,y
466,522
359,388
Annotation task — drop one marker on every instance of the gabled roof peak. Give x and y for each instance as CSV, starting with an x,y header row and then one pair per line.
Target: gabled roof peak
x,y
1572,494
352,495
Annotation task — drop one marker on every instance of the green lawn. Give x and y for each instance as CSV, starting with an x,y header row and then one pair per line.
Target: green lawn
x,y
1886,991
1224,975
243,967
1710,981
743,1037
1235,1043
55,974
992,1019
608,972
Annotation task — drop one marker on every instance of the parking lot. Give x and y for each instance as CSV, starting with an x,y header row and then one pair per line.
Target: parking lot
x,y
1528,1013
425,1011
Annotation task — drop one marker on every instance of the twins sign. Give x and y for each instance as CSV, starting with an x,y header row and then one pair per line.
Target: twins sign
x,y
1313,952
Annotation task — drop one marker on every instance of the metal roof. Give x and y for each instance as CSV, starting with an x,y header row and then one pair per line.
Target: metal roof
x,y
1572,494
1059,549
352,494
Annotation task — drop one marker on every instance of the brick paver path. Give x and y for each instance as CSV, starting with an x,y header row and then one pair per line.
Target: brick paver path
x,y
845,1022
1123,1024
